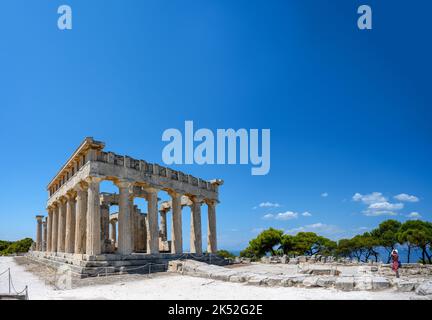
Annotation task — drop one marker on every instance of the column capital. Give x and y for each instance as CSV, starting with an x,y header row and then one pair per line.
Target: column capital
x,y
151,190
91,179
70,195
81,186
174,193
196,199
63,199
211,202
124,184
39,218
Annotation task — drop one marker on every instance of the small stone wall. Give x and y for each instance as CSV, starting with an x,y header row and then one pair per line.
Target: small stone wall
x,y
308,279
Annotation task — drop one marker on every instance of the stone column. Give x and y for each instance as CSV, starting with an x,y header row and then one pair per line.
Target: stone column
x,y
113,231
211,227
80,218
70,224
54,232
39,233
152,217
93,246
195,231
176,224
49,231
61,234
104,225
125,240
163,225
44,234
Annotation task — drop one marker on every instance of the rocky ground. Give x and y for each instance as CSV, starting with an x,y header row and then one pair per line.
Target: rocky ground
x,y
41,281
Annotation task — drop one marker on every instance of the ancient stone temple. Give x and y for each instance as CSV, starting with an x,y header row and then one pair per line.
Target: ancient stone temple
x,y
80,227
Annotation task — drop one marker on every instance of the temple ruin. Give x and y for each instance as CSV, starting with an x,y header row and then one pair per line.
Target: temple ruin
x,y
79,225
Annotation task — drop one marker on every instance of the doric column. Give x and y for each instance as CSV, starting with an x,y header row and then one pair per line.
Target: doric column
x,y
39,233
195,231
104,208
93,246
61,234
211,227
163,225
152,217
54,232
176,224
49,231
44,234
113,231
125,240
80,218
70,223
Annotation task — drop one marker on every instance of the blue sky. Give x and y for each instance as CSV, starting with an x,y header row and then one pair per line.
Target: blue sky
x,y
349,110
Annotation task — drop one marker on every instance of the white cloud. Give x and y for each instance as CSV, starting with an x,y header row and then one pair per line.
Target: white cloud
x,y
414,215
406,198
286,215
324,194
306,214
369,198
318,227
386,206
269,205
268,216
378,205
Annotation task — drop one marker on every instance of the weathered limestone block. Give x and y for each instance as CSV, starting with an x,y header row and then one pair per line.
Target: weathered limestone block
x,y
345,283
326,282
310,282
425,288
274,281
293,261
404,285
380,283
257,280
175,266
363,283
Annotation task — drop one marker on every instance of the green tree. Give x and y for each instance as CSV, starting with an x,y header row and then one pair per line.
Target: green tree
x,y
418,234
309,243
287,244
20,246
387,235
264,243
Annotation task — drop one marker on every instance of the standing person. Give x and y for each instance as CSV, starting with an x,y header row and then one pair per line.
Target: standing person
x,y
395,262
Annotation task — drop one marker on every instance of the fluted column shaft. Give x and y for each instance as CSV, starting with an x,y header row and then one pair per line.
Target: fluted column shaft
x,y
80,220
44,234
125,240
163,225
152,216
195,232
55,228
39,233
61,226
104,225
93,246
211,227
176,225
70,225
50,228
113,231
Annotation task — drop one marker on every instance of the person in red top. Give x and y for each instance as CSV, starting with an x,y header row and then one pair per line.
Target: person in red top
x,y
395,262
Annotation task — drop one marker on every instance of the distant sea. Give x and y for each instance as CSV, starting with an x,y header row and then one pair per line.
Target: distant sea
x,y
403,254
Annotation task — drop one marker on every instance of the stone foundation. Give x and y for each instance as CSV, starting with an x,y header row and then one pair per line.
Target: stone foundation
x,y
83,266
